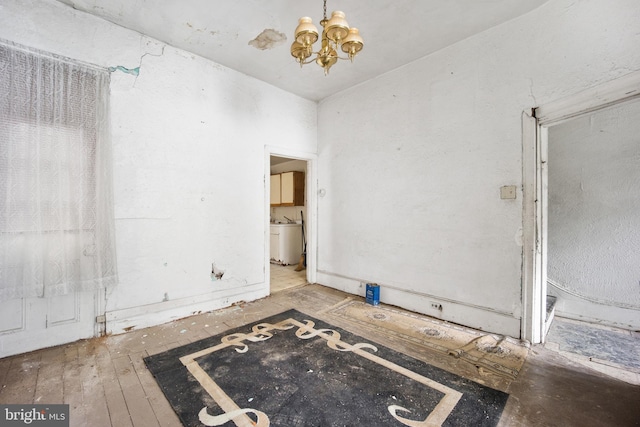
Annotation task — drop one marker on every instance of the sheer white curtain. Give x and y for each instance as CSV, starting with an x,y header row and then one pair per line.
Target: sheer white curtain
x,y
56,201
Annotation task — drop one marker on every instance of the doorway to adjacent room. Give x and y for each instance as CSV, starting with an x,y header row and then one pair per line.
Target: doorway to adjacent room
x,y
288,222
595,106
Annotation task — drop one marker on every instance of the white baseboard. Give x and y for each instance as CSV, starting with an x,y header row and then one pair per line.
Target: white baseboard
x,y
127,319
576,308
473,316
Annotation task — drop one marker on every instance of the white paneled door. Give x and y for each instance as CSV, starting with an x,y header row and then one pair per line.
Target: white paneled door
x,y
28,324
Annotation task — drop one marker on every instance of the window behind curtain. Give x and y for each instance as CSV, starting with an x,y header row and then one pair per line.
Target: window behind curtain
x,y
56,200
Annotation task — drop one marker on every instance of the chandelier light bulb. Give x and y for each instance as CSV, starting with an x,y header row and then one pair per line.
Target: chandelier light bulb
x,y
337,28
353,43
306,32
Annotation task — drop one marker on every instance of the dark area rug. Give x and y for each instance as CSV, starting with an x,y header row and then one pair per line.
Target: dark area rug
x,y
293,370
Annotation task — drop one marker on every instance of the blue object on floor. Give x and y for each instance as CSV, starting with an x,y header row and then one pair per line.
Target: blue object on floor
x,y
373,294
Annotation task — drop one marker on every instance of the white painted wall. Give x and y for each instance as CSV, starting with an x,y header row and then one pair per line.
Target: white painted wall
x,y
189,139
594,216
412,161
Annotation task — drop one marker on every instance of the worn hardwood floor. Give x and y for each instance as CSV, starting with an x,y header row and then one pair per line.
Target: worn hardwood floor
x,y
106,383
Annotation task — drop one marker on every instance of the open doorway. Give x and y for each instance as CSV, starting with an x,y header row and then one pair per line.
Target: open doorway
x,y
536,128
593,227
288,223
593,239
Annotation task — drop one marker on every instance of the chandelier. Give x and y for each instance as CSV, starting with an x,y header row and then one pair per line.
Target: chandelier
x,y
336,34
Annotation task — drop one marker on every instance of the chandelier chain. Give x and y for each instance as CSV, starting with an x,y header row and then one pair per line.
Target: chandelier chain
x,y
325,10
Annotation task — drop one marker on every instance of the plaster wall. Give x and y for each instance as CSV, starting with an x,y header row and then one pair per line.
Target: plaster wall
x,y
189,139
411,163
593,240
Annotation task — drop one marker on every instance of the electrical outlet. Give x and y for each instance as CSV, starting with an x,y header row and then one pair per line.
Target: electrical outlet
x,y
436,306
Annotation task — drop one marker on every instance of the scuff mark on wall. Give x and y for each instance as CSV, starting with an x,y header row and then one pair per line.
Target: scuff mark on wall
x,y
268,39
200,30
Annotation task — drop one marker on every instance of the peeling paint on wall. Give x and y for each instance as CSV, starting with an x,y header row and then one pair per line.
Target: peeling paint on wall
x,y
216,273
136,71
268,39
133,71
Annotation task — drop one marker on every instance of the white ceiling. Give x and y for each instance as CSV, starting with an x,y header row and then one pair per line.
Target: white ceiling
x,y
395,32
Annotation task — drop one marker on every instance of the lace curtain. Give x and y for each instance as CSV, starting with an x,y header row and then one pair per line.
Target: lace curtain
x,y
56,201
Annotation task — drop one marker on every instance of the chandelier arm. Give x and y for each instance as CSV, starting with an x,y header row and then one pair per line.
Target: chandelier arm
x,y
346,58
314,59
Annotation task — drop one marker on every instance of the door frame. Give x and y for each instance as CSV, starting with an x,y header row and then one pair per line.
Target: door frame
x,y
535,125
310,222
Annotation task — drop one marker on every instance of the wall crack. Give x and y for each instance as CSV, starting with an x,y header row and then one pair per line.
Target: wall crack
x,y
535,101
135,71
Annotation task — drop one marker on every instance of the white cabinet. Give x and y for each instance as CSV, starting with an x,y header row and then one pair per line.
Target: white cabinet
x,y
286,189
275,190
286,243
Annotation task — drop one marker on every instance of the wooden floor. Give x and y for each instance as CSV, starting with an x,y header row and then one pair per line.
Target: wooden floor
x,y
106,383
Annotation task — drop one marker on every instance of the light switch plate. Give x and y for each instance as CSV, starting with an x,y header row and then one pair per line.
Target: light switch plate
x,y
508,192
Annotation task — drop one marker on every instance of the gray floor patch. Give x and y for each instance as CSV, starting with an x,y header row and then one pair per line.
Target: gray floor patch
x,y
618,346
